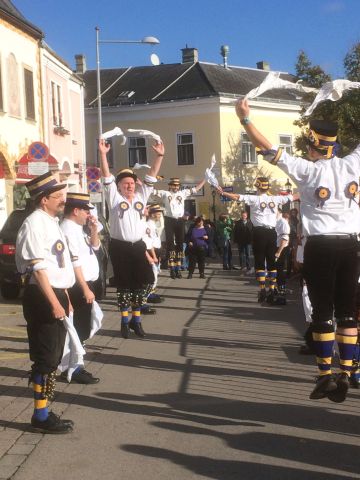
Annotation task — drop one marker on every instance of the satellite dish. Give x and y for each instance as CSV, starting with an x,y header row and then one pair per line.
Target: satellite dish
x,y
154,59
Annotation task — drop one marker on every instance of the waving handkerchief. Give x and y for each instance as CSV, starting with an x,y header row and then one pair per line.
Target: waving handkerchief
x,y
331,91
137,166
210,175
96,318
113,133
273,81
145,133
73,350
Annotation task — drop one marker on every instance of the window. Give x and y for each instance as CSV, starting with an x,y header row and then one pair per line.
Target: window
x,y
137,151
110,154
56,104
285,141
185,149
1,94
29,94
248,154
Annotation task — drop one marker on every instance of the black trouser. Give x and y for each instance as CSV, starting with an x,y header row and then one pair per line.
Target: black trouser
x,y
331,275
264,248
197,254
46,334
82,310
280,265
174,233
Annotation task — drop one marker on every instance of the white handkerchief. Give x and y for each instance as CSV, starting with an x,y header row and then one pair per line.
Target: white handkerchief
x,y
210,175
115,132
73,350
273,81
331,91
96,318
145,133
137,166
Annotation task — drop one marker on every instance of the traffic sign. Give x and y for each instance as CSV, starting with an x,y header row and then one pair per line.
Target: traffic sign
x,y
38,151
94,186
93,173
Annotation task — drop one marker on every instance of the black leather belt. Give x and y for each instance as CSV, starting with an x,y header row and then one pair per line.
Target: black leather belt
x,y
268,227
347,236
125,241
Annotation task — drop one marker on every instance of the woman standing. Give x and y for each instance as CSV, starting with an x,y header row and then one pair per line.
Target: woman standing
x,y
197,240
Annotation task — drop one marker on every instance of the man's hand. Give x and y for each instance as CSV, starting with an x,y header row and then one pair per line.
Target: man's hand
x,y
103,146
89,296
58,312
219,190
92,222
159,149
242,109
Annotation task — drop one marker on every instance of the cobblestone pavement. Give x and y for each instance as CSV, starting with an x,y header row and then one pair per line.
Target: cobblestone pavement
x,y
216,390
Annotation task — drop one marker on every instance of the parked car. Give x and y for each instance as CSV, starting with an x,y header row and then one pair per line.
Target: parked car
x,y
11,281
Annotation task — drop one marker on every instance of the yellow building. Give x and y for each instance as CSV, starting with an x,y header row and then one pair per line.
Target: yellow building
x,y
191,106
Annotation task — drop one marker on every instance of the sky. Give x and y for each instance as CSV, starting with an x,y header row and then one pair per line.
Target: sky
x,y
270,30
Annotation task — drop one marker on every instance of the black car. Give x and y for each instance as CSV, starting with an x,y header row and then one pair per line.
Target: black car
x,y
11,281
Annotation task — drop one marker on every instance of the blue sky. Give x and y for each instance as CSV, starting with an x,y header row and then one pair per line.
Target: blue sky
x,y
270,30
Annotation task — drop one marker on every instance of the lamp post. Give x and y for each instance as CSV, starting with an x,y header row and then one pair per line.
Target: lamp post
x,y
145,41
213,193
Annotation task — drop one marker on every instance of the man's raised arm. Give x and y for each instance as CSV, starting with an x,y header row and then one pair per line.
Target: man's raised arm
x,y
159,150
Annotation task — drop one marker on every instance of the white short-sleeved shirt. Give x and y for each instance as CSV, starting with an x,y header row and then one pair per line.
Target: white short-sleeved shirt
x,y
41,245
173,202
81,251
282,231
264,208
339,213
126,218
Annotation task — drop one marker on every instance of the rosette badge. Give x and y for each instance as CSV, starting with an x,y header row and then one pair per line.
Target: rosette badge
x,y
139,207
123,207
352,190
262,205
322,194
58,251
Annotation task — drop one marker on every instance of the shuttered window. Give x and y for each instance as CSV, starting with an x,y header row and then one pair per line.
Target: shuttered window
x,y
29,94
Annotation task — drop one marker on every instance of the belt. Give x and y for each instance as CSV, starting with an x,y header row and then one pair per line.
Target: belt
x,y
268,227
347,236
126,242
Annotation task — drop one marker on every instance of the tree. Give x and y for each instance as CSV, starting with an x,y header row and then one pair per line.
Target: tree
x,y
346,111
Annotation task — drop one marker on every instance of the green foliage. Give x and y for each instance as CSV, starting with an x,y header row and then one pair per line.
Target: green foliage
x,y
346,111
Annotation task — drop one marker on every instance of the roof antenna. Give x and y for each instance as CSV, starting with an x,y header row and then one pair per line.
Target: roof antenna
x,y
224,50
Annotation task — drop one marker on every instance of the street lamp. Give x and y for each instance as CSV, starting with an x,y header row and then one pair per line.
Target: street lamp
x,y
145,41
213,193
288,186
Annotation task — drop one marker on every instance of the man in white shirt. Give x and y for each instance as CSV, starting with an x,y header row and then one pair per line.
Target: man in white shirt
x,y
86,267
126,201
174,206
328,186
282,229
43,255
263,214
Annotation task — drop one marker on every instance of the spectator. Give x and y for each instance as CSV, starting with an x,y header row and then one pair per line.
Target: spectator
x,y
243,237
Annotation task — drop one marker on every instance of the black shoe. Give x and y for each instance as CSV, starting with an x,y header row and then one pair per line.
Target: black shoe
x,y
147,310
189,276
84,378
52,414
325,384
154,298
172,274
53,424
137,327
306,350
262,295
202,275
178,274
270,297
124,330
342,382
355,380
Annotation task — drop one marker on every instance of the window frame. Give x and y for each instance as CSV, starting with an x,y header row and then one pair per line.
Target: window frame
x,y
288,147
178,145
137,149
56,104
245,142
26,70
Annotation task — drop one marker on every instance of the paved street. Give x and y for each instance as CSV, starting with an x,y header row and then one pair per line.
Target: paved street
x,y
216,390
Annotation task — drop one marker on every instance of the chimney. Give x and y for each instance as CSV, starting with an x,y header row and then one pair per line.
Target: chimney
x,y
224,50
190,55
263,65
80,63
